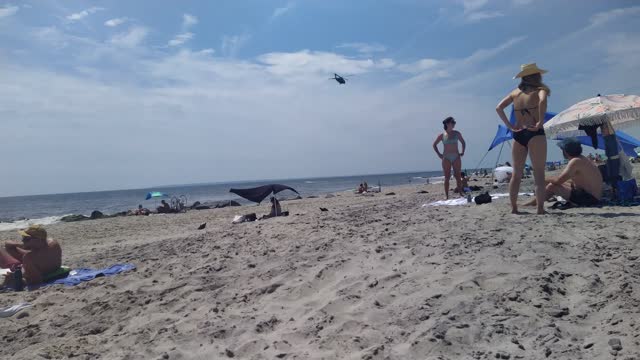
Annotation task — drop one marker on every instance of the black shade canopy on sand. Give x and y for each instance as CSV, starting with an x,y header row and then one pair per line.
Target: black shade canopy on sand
x,y
261,192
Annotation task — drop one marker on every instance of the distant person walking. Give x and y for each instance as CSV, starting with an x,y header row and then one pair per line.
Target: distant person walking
x,y
451,157
530,105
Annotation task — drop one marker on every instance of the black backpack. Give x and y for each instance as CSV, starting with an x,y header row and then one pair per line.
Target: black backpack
x,y
482,198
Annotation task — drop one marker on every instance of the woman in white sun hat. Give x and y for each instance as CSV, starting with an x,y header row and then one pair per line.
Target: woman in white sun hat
x,y
529,100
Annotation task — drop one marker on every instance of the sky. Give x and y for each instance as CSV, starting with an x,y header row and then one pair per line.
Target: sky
x,y
99,95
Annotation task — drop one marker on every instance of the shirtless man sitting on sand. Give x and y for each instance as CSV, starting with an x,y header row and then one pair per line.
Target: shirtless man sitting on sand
x,y
585,188
38,256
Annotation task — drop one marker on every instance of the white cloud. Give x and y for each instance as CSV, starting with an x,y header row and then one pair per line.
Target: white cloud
x,y
474,11
420,65
231,44
84,13
282,10
608,16
188,20
522,2
429,70
316,63
473,5
180,39
8,10
115,22
364,48
486,54
131,38
483,15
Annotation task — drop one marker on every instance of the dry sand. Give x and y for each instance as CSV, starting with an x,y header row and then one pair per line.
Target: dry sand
x,y
373,278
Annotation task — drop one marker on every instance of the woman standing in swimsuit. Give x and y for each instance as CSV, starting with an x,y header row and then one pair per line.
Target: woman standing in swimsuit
x,y
450,155
530,105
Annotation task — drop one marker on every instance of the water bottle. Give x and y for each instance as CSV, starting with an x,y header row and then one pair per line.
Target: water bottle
x,y
17,278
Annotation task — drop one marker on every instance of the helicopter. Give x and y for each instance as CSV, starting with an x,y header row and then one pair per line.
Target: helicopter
x,y
340,79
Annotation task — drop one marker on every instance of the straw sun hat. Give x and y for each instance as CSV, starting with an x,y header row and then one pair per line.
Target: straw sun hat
x,y
529,69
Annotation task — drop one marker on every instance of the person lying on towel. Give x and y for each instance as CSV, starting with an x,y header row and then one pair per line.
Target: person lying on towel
x,y
36,254
580,182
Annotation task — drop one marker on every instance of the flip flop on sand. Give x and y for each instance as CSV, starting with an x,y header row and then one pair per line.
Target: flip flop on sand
x,y
560,205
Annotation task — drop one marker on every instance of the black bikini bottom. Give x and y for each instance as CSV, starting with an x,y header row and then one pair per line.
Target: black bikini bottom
x,y
523,136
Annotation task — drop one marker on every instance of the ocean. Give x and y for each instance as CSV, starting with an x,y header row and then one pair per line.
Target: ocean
x,y
21,211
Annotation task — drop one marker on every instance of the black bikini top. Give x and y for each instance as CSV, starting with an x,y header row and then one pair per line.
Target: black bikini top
x,y
525,110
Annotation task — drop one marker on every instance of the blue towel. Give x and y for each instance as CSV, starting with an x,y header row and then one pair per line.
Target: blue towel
x,y
80,275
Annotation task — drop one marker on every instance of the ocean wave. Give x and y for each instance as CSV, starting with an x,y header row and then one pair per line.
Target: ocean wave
x,y
436,180
21,224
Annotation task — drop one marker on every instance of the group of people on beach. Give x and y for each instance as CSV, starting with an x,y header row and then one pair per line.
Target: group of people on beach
x,y
363,187
36,256
580,182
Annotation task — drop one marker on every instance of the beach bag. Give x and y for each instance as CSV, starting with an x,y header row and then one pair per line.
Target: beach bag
x,y
627,189
482,198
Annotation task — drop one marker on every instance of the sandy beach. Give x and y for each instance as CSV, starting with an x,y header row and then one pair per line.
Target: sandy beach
x,y
375,277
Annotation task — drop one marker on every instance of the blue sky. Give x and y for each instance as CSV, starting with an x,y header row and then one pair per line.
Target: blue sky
x,y
101,95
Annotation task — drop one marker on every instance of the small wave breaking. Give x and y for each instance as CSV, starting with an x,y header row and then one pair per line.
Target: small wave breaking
x,y
21,224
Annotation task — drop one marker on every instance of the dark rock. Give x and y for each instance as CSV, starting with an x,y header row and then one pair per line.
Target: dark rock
x,y
615,344
588,345
95,214
224,204
298,197
72,218
281,356
547,352
165,356
202,207
23,314
229,353
391,193
559,312
267,325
